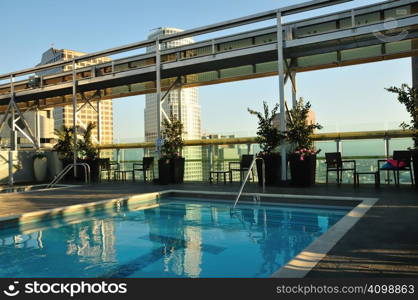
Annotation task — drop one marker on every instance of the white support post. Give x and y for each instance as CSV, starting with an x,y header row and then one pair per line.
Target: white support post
x,y
13,136
99,122
37,128
282,116
179,102
387,155
74,117
179,111
339,145
294,89
158,94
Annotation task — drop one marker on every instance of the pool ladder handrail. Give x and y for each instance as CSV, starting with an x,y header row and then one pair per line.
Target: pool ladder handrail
x,y
64,171
263,172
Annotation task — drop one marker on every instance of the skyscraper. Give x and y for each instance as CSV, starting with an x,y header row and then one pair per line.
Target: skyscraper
x,y
64,115
190,111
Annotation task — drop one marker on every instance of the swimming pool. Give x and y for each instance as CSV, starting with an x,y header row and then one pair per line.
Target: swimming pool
x,y
166,237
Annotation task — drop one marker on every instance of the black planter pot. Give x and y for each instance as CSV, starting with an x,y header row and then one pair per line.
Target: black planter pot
x,y
70,174
164,171
94,165
272,164
414,154
177,170
302,171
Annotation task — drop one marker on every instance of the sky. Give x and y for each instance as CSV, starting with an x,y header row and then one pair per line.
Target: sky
x,y
344,99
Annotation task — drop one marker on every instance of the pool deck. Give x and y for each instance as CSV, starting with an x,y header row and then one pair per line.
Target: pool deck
x,y
384,243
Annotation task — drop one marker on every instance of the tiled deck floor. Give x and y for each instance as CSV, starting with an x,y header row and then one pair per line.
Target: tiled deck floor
x,y
384,243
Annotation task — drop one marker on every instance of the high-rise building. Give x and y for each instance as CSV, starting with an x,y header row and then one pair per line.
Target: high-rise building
x,y
414,64
64,115
190,111
311,119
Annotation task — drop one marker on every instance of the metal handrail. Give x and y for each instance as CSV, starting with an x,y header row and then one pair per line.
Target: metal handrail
x,y
263,172
61,174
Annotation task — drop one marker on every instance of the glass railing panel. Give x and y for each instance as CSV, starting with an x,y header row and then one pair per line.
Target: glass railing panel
x,y
265,39
400,46
237,71
360,148
398,12
318,59
400,144
315,29
363,52
235,45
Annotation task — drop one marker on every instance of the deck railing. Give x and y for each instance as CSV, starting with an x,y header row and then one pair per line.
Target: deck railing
x,y
205,155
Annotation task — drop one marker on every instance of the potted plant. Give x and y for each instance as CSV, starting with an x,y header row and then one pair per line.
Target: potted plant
x,y
302,158
89,152
408,96
171,164
268,137
40,167
85,149
65,147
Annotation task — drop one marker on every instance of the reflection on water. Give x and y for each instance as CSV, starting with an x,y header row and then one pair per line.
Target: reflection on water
x,y
175,239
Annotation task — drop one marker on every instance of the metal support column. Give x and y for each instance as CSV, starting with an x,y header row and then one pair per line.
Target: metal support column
x,y
37,128
209,159
339,145
387,155
13,135
179,102
158,94
99,121
74,117
294,88
282,116
179,110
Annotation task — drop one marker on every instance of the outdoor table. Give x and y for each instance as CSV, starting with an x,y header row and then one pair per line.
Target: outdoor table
x,y
218,173
376,177
121,174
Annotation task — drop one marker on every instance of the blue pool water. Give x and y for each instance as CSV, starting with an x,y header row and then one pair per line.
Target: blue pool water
x,y
172,238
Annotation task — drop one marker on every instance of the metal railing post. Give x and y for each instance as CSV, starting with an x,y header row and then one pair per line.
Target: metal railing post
x,y
282,114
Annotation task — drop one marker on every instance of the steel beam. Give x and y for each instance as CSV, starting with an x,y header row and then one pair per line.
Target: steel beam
x,y
99,121
74,95
282,114
158,94
13,137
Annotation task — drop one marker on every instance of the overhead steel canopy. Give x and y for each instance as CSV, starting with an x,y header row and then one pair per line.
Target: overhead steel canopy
x,y
381,31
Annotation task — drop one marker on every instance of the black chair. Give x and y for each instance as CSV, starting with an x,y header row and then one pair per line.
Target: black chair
x,y
147,165
243,166
335,163
400,156
107,167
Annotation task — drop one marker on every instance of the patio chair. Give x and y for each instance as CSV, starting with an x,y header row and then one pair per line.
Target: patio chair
x,y
242,166
107,167
403,157
147,165
335,163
